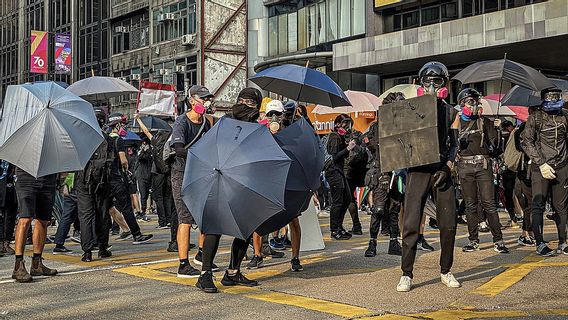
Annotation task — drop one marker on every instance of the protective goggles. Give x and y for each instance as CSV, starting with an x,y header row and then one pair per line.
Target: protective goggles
x,y
552,96
471,101
248,102
438,82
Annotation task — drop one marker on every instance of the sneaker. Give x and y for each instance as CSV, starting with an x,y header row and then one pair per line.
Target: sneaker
x,y
385,233
105,254
38,269
114,232
51,238
562,249
143,238
188,271
198,260
172,246
356,231
296,266
20,273
404,285
267,251
433,223
500,247
237,279
372,249
276,244
341,235
162,227
525,241
471,246
61,250
449,280
87,257
76,237
544,250
395,249
424,245
255,263
124,236
48,240
205,282
483,227
461,221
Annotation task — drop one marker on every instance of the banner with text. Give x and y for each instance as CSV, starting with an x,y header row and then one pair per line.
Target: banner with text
x,y
38,50
157,99
63,53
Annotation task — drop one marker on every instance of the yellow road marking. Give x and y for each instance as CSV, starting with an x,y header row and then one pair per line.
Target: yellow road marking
x,y
388,316
460,314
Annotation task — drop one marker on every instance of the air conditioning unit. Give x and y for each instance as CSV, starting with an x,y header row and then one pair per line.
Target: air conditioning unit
x,y
164,72
188,39
120,29
166,17
123,79
135,77
180,68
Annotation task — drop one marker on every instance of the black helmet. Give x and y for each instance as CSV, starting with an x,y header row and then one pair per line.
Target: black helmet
x,y
551,94
468,93
101,115
116,118
434,69
342,118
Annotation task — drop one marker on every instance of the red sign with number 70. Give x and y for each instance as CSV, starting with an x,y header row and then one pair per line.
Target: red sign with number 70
x,y
38,50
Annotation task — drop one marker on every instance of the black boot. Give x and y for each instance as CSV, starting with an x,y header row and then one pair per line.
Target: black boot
x,y
394,248
372,249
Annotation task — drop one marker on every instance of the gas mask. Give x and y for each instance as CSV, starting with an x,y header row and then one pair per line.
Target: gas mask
x,y
199,108
552,101
433,86
209,108
344,128
470,109
274,124
122,132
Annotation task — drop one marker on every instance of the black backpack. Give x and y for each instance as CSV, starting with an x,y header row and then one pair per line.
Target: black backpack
x,y
97,172
158,143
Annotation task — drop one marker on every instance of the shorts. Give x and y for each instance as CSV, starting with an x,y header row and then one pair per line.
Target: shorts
x,y
35,196
184,216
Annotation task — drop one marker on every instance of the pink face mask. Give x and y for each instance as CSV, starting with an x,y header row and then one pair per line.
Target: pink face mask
x,y
342,131
122,132
199,108
441,93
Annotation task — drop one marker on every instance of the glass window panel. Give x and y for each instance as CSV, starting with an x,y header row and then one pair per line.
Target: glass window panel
x,y
332,19
359,16
467,8
282,34
345,19
411,19
292,32
491,5
430,15
312,25
302,29
273,36
321,23
449,11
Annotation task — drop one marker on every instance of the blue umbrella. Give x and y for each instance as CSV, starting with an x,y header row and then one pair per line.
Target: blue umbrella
x,y
234,178
131,136
301,84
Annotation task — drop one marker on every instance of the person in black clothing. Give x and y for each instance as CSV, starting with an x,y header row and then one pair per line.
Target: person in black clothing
x,y
435,178
143,174
8,206
247,110
508,177
338,148
479,142
355,171
70,214
545,142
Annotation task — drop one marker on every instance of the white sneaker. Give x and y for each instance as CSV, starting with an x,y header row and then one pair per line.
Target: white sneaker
x,y
404,284
449,280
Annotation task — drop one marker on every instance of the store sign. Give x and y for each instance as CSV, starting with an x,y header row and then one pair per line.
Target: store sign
x,y
38,52
383,3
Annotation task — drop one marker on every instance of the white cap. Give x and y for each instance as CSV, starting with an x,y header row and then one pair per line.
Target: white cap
x,y
274,105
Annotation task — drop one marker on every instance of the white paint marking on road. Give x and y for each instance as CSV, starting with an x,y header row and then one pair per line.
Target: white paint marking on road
x,y
341,251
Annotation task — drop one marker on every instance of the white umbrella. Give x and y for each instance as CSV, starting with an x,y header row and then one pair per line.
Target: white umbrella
x,y
360,102
409,91
101,88
45,129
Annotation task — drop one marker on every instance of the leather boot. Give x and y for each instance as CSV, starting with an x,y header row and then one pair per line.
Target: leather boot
x,y
20,273
38,269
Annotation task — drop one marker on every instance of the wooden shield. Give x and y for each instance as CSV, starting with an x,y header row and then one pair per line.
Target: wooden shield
x,y
408,133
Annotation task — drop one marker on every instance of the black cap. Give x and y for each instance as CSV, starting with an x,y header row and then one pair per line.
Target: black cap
x,y
200,91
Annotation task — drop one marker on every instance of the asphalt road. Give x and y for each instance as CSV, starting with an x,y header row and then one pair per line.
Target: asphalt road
x,y
139,282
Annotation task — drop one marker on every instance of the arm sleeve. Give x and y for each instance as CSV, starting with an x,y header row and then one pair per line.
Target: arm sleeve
x,y
529,142
453,135
180,150
333,146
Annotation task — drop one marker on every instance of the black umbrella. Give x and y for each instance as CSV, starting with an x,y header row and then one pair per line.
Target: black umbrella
x,y
504,69
519,96
153,123
302,146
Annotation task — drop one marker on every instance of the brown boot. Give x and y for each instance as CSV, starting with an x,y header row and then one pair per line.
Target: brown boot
x,y
38,269
20,273
5,248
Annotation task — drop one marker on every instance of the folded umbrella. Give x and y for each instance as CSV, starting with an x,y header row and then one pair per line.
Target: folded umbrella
x,y
234,178
301,84
302,145
519,96
45,129
98,88
153,123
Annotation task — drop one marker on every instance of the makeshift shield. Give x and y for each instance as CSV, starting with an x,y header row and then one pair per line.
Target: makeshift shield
x,y
408,133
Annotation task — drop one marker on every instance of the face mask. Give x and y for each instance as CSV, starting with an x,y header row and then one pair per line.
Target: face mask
x,y
209,107
549,106
122,132
441,93
199,108
342,131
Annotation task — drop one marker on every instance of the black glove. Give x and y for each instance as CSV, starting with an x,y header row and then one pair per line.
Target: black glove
x,y
441,177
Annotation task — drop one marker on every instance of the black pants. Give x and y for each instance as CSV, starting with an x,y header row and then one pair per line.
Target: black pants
x,y
123,203
70,214
340,198
8,215
144,187
210,246
523,191
93,216
352,207
162,195
559,192
420,181
509,178
387,205
478,188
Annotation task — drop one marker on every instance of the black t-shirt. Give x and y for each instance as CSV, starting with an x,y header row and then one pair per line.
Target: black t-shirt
x,y
183,132
116,167
337,148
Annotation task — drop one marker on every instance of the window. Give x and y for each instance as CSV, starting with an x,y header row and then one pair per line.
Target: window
x,y
312,25
449,11
345,19
292,32
302,29
359,16
273,36
411,19
320,25
183,23
430,15
491,5
332,14
282,34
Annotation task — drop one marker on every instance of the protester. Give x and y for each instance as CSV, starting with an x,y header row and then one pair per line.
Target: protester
x,y
544,141
8,206
70,214
435,178
143,174
478,143
355,170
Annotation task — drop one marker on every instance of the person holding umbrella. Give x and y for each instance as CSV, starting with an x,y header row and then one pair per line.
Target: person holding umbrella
x,y
544,140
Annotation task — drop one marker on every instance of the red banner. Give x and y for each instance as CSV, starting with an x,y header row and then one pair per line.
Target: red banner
x,y
38,50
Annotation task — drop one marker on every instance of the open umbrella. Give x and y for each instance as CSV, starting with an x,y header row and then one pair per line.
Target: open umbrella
x,y
491,108
131,136
360,102
504,69
98,88
234,178
302,145
521,113
46,129
153,123
519,96
409,91
301,84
